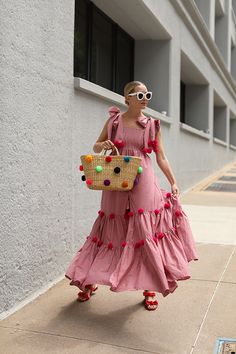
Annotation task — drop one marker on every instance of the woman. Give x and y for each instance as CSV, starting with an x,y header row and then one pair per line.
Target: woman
x,y
141,238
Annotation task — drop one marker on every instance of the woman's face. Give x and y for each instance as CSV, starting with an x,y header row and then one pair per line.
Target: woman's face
x,y
133,100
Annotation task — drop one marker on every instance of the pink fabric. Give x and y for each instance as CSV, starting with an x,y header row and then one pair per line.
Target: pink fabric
x,y
143,240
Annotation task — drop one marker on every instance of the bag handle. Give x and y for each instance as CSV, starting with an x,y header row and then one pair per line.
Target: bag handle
x,y
103,152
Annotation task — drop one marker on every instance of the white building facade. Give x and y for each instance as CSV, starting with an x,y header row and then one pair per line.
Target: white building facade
x,y
63,64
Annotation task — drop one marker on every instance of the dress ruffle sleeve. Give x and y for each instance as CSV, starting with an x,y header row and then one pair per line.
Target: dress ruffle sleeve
x,y
114,113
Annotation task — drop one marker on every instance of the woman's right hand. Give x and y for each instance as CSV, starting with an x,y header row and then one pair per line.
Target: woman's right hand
x,y
107,145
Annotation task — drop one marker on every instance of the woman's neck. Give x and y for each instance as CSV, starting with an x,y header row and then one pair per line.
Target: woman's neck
x,y
133,114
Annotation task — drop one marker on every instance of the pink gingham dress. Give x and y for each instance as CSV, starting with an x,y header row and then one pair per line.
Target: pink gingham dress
x,y
141,239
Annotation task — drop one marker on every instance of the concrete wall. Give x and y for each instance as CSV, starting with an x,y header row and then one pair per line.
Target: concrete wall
x,y
37,116
46,125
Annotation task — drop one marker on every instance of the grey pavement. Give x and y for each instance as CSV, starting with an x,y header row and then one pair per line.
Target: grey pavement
x,y
189,321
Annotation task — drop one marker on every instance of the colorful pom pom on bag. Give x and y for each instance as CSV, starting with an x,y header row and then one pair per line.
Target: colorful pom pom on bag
x,y
113,172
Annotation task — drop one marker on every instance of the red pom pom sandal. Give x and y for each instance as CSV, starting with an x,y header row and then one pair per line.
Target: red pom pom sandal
x,y
150,305
85,295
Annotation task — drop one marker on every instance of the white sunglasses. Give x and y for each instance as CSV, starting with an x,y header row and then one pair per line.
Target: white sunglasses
x,y
141,95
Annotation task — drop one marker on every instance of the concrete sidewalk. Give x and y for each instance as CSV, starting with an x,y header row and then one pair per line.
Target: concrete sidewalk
x,y
188,321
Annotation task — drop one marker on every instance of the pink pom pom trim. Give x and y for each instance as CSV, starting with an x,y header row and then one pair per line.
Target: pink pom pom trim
x,y
100,242
101,213
119,143
154,239
110,246
178,213
160,235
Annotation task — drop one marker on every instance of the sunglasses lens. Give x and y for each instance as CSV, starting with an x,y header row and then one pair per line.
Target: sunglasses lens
x,y
140,96
148,95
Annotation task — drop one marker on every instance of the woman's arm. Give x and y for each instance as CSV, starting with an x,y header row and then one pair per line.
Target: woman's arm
x,y
164,165
102,141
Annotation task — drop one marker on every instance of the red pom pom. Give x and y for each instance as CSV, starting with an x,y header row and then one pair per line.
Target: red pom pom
x,y
140,210
111,216
167,205
110,246
154,239
123,244
149,150
178,213
145,150
108,159
89,182
130,213
101,213
154,142
168,195
157,211
94,239
149,142
160,235
137,245
100,242
119,143
141,242
81,168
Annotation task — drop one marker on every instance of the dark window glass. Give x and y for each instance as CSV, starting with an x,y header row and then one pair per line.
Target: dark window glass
x,y
80,40
101,53
182,102
124,60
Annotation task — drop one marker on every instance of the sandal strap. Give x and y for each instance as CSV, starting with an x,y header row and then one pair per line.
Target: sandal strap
x,y
90,287
149,293
155,302
83,295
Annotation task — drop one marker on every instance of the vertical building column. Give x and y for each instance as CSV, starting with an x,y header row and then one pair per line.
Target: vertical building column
x,y
222,33
152,67
212,18
207,10
227,126
174,79
211,111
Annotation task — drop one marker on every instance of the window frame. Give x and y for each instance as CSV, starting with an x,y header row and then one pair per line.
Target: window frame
x,y
90,9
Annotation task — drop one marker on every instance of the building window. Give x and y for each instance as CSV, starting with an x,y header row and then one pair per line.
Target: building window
x,y
103,52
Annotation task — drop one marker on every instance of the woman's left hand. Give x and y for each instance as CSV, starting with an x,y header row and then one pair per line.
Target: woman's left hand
x,y
175,190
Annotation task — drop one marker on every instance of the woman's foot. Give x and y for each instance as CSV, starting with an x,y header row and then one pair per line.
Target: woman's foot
x,y
86,294
149,303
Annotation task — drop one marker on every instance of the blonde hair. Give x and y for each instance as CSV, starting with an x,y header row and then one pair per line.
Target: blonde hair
x,y
130,86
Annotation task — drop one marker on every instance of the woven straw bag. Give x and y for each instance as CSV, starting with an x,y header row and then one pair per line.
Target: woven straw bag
x,y
112,172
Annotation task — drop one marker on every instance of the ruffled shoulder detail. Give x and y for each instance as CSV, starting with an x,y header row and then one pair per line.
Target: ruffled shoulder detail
x,y
113,111
143,121
154,128
157,123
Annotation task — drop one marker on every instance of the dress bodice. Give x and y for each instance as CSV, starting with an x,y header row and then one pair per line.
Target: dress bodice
x,y
133,140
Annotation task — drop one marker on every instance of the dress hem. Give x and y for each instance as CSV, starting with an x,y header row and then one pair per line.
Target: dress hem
x,y
120,289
